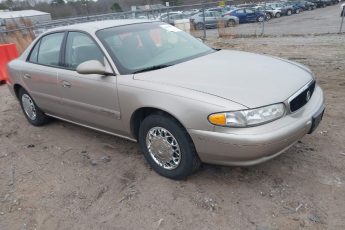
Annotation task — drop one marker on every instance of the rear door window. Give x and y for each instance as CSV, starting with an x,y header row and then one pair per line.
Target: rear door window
x,y
49,49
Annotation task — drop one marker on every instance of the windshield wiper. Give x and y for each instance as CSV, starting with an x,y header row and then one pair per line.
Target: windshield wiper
x,y
155,67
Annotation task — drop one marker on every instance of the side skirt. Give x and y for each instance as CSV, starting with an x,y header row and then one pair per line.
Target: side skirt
x,y
90,127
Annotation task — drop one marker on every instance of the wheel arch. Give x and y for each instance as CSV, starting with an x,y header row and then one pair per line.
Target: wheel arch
x,y
16,88
141,113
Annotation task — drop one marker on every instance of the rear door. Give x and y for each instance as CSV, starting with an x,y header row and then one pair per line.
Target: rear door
x,y
218,17
39,72
241,14
251,15
90,99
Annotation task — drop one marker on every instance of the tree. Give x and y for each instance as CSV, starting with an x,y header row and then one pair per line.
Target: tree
x,y
9,4
3,6
116,7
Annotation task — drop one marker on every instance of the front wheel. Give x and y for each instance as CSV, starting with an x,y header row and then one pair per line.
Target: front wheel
x,y
260,19
33,114
278,15
289,12
167,147
297,11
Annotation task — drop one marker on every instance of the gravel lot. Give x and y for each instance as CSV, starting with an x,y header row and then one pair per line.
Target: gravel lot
x,y
62,176
318,21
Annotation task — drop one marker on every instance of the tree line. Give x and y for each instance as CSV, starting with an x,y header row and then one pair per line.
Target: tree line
x,y
70,8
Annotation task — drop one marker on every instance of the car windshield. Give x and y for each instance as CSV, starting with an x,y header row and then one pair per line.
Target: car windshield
x,y
147,46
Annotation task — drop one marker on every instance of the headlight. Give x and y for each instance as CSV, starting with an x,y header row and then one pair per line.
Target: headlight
x,y
250,117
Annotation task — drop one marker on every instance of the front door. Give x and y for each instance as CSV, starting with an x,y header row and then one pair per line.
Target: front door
x,y
90,99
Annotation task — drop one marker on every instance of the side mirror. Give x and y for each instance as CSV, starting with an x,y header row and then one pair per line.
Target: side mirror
x,y
92,67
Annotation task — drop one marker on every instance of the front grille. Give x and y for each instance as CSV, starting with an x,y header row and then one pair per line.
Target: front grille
x,y
301,99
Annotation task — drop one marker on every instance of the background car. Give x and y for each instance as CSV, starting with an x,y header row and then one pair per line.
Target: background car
x,y
246,15
285,9
173,16
306,5
212,20
270,12
320,3
296,8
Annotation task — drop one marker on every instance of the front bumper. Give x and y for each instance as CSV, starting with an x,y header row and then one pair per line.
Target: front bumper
x,y
249,146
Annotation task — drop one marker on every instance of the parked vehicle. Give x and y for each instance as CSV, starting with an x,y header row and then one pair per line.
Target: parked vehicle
x,y
306,5
320,3
190,12
285,9
246,15
334,2
173,16
296,8
155,84
270,12
212,20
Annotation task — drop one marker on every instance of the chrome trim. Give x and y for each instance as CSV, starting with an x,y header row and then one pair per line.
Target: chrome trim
x,y
90,127
298,92
163,148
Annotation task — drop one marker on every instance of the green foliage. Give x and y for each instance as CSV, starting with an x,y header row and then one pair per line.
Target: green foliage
x,y
9,4
3,6
116,7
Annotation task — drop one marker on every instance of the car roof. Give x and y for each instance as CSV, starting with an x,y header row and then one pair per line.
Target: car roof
x,y
92,27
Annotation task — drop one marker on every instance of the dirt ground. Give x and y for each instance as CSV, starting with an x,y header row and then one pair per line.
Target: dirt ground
x,y
62,176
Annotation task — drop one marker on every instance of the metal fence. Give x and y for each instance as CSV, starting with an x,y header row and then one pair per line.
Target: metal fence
x,y
317,21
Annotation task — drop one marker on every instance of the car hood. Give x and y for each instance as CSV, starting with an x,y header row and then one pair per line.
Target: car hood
x,y
249,79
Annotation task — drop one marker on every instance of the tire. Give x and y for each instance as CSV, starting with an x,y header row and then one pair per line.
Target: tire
x,y
168,129
324,5
289,12
230,23
32,112
260,18
268,17
278,15
310,8
297,11
199,26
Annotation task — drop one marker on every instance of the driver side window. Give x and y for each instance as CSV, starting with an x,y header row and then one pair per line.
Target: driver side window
x,y
80,48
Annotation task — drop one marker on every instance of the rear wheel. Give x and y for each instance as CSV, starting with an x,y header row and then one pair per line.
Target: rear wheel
x,y
268,17
199,26
298,11
231,23
289,12
33,114
260,19
167,147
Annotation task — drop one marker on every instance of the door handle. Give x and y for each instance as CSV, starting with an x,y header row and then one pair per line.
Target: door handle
x,y
66,84
27,76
